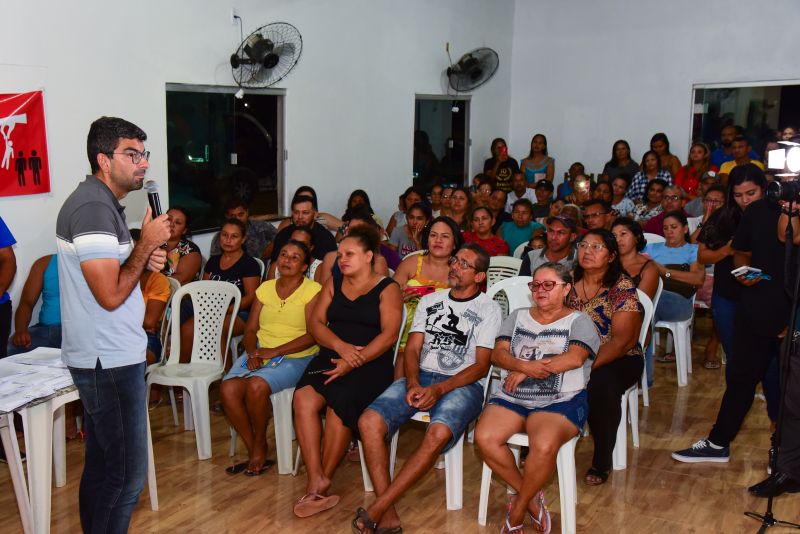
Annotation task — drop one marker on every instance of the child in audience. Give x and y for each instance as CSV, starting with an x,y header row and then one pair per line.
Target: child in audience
x,y
522,226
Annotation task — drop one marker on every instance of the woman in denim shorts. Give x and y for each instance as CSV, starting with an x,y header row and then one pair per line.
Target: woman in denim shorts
x,y
545,355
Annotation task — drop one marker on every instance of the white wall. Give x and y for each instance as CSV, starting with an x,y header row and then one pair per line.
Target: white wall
x,y
349,101
588,73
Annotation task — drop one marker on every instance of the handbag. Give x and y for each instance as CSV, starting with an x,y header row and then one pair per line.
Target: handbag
x,y
681,288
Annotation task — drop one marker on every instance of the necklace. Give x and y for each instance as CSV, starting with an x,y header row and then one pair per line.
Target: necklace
x,y
291,292
583,284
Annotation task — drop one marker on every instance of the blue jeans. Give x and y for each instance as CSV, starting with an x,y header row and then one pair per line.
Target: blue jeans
x,y
456,409
41,336
115,466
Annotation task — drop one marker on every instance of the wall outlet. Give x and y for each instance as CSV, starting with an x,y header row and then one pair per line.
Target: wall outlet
x,y
234,16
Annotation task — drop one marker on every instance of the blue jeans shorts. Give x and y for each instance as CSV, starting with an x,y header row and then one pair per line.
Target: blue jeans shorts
x,y
455,409
285,375
575,410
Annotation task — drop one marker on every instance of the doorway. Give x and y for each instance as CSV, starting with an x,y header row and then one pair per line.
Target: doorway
x,y
441,140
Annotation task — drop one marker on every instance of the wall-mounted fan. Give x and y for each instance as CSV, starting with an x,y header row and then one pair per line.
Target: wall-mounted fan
x,y
473,69
267,55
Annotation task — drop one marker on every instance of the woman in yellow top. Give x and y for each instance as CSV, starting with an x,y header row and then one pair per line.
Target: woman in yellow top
x,y
277,347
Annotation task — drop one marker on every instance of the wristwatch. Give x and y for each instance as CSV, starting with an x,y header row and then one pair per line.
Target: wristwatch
x,y
667,275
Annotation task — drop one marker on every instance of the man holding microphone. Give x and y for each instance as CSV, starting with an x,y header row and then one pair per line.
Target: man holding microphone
x,y
102,311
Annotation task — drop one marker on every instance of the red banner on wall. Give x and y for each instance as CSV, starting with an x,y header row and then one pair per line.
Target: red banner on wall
x,y
24,166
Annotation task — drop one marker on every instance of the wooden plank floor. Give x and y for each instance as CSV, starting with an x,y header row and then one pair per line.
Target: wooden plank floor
x,y
655,494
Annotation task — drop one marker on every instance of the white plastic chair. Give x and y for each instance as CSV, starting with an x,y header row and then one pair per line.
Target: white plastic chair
x,y
519,250
261,265
653,342
11,449
630,400
453,459
211,301
502,267
653,238
165,332
567,484
515,293
694,222
284,431
421,251
682,335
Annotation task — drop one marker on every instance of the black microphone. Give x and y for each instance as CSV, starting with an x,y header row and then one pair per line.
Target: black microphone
x,y
152,197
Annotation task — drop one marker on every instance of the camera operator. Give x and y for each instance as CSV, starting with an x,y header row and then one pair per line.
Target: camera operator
x,y
785,476
759,324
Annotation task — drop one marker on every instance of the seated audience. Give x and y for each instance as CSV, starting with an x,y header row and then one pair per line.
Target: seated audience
x,y
522,225
326,220
411,196
304,213
183,256
500,166
642,271
232,266
42,282
556,206
602,191
355,321
545,355
407,238
651,170
481,234
682,274
425,273
544,192
660,145
561,233
608,296
446,361
436,200
597,213
671,201
620,162
305,235
725,151
460,207
519,189
696,207
259,233
740,148
651,206
537,242
497,203
565,189
697,164
581,190
622,205
156,292
483,190
538,165
383,261
713,199
447,196
277,348
359,197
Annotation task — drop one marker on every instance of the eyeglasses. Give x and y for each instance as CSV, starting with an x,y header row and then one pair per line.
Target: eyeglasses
x,y
593,215
461,263
597,247
135,155
547,285
673,198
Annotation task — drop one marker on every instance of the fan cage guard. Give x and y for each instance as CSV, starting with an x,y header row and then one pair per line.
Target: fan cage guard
x,y
286,39
459,80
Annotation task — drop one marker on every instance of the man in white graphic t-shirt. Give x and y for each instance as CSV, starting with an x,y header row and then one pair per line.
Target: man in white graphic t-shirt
x,y
446,359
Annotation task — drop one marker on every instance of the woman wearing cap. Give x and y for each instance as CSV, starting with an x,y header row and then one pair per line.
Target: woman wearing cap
x,y
697,164
538,165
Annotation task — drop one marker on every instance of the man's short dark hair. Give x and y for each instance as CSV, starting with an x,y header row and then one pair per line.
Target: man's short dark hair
x,y
523,202
604,204
740,139
299,199
482,260
104,136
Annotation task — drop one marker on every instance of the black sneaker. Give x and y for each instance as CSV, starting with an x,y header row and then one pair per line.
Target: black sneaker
x,y
702,451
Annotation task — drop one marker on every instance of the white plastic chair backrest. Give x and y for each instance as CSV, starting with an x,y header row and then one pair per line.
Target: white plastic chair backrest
x,y
421,251
261,266
502,267
647,304
518,251
653,238
694,222
658,294
511,293
210,301
174,286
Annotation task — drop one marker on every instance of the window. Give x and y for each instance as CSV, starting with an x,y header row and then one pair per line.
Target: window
x,y
441,140
761,110
220,146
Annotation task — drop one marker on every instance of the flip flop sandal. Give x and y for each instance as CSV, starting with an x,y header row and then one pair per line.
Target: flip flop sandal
x,y
366,522
235,469
260,471
602,476
314,503
712,364
508,529
667,358
541,523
